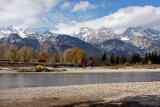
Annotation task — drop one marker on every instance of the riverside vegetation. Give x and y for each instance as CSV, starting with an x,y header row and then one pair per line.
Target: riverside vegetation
x,y
40,68
26,56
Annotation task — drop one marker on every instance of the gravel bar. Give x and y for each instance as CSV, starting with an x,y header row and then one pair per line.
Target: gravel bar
x,y
146,93
82,70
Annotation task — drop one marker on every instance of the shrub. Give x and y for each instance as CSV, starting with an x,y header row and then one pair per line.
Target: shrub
x,y
126,64
149,62
39,68
83,66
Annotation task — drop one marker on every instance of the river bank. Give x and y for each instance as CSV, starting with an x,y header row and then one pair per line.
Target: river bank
x,y
81,70
146,93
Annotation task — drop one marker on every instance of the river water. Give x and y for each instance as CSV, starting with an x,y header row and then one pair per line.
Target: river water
x,y
18,80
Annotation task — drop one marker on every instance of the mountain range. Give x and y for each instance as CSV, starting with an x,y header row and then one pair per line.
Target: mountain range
x,y
133,40
94,42
45,42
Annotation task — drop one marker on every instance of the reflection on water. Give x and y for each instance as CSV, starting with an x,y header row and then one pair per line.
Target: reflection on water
x,y
36,80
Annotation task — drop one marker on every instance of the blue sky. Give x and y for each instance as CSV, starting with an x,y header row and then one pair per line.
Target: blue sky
x,y
68,16
111,6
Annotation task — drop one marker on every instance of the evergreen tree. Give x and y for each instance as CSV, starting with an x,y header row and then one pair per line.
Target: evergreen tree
x,y
158,59
138,57
124,59
117,60
155,57
112,59
103,57
146,58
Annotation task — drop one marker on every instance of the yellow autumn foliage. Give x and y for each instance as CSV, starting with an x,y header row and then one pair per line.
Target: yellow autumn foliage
x,y
74,55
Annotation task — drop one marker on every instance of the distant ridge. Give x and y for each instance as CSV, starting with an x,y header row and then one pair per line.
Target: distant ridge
x,y
94,42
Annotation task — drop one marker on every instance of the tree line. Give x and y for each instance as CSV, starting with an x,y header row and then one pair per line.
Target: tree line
x,y
73,56
27,54
149,58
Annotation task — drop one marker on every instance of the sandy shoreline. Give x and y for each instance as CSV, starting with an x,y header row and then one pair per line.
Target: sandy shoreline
x,y
147,93
86,70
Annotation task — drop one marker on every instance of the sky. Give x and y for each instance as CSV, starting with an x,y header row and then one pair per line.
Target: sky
x,y
68,16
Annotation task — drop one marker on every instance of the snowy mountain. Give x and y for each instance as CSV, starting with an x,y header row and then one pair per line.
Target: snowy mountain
x,y
143,38
144,33
136,38
22,32
133,40
46,36
95,37
44,42
63,42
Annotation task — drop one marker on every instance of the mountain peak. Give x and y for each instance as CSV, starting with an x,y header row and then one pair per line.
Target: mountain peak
x,y
20,30
143,32
85,29
103,28
95,36
15,28
47,32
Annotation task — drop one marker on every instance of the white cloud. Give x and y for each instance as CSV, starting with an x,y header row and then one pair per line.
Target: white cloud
x,y
65,5
83,6
24,11
126,17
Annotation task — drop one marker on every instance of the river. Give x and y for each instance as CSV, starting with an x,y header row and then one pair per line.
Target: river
x,y
19,80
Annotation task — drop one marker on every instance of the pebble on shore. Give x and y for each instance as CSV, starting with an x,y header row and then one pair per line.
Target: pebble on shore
x,y
147,93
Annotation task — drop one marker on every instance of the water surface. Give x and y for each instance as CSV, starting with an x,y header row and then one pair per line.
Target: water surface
x,y
17,80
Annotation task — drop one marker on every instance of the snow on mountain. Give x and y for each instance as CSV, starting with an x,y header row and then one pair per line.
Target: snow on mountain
x,y
46,36
143,38
124,38
3,33
145,33
85,34
22,32
95,36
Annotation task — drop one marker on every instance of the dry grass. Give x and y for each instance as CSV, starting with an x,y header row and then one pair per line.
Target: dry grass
x,y
154,66
27,70
57,70
115,66
44,70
